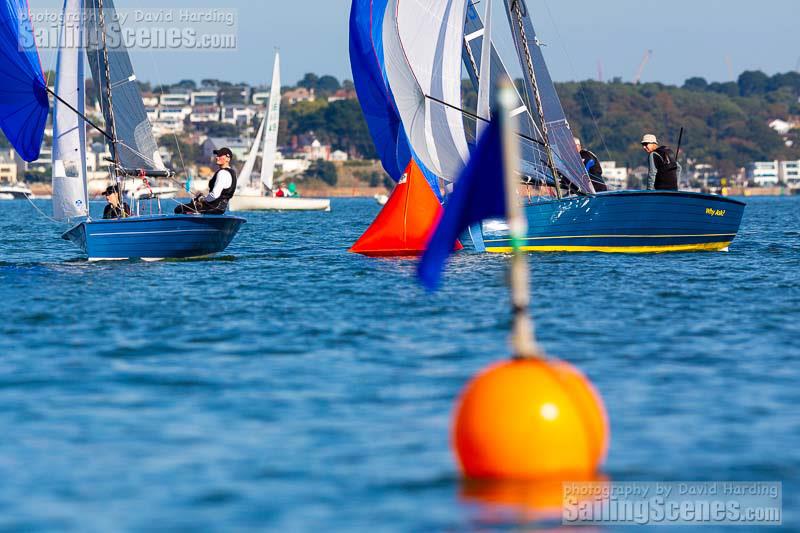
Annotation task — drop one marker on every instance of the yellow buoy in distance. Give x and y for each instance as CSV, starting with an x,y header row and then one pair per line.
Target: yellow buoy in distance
x,y
530,419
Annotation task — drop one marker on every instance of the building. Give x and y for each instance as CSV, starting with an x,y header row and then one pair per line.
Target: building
x,y
240,147
204,98
764,173
150,100
239,115
616,178
260,98
338,155
205,113
300,94
781,126
8,169
790,173
343,94
316,150
175,99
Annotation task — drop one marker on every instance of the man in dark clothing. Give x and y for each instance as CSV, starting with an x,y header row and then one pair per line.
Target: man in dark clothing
x,y
221,189
113,208
593,167
665,171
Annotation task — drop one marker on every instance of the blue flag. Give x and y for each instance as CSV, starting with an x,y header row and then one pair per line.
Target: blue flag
x,y
479,194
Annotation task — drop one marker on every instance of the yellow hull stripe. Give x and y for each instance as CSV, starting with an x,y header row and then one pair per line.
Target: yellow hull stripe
x,y
700,247
616,236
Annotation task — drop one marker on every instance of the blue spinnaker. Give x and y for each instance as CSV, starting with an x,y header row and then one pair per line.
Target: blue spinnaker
x,y
24,103
374,94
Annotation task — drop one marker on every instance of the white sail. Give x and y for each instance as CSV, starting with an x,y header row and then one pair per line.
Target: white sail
x,y
244,175
422,50
485,79
69,130
271,132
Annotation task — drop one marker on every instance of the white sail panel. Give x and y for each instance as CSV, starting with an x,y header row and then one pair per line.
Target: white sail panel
x,y
271,133
485,78
244,175
69,130
422,49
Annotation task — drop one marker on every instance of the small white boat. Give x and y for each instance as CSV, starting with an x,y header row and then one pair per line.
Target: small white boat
x,y
272,203
15,192
381,198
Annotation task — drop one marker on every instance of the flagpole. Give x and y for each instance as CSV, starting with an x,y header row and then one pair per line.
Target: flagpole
x,y
523,341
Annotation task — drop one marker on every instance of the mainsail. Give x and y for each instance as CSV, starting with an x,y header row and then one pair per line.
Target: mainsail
x,y
69,130
135,146
537,78
24,103
422,42
271,131
244,175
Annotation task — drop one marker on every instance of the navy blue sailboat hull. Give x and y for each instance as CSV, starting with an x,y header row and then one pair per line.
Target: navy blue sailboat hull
x,y
628,221
155,237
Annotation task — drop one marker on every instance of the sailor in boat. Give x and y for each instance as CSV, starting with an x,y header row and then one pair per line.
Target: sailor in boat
x,y
665,171
221,189
115,209
593,167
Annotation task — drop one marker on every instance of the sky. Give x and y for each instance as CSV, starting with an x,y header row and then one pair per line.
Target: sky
x,y
714,39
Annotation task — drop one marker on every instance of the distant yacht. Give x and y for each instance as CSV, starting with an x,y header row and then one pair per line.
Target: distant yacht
x,y
16,191
252,198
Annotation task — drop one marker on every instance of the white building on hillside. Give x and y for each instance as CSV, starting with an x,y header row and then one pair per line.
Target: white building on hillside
x,y
790,173
616,178
764,173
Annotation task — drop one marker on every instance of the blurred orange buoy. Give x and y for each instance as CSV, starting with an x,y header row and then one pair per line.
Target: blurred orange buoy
x,y
530,419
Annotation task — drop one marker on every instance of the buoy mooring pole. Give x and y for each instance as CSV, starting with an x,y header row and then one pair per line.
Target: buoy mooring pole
x,y
532,417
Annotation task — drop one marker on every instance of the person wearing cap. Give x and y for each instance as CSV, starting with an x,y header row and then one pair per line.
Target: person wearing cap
x,y
665,171
593,167
115,209
221,189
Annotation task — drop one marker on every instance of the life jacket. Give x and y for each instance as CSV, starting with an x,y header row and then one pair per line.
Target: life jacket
x,y
595,172
226,194
667,169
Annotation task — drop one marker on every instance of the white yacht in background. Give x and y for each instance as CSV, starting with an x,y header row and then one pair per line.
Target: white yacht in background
x,y
253,198
16,191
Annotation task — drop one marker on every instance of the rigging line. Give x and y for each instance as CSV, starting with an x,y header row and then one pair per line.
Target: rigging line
x,y
476,117
523,38
580,84
45,215
174,134
81,115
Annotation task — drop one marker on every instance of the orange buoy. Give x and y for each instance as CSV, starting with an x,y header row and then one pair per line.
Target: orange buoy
x,y
530,419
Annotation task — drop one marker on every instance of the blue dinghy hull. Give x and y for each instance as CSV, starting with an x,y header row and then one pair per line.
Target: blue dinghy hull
x,y
155,237
628,222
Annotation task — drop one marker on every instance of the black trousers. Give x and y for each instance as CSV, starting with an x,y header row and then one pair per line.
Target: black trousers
x,y
200,206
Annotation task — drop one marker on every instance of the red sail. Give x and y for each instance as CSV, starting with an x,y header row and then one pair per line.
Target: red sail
x,y
406,222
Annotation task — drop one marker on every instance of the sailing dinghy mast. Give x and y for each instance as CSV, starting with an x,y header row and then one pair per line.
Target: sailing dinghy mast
x,y
112,126
517,12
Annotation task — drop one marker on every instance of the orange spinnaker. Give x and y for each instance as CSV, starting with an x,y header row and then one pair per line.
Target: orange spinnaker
x,y
406,222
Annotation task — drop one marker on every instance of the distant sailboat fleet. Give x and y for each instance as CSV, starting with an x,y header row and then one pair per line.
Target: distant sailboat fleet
x,y
407,71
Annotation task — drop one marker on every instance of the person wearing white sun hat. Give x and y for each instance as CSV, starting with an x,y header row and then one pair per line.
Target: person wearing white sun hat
x,y
664,169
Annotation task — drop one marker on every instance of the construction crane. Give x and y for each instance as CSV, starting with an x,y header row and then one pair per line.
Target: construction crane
x,y
646,59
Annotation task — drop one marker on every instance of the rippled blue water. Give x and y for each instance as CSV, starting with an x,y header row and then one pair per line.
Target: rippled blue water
x,y
291,386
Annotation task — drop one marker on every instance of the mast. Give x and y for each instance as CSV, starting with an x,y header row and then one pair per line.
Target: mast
x,y
517,12
112,127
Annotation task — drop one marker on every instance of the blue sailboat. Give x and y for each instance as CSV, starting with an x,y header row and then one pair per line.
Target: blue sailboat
x,y
566,214
88,26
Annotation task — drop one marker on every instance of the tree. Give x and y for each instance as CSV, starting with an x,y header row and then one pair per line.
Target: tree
x,y
324,171
309,81
220,129
696,84
328,84
753,82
